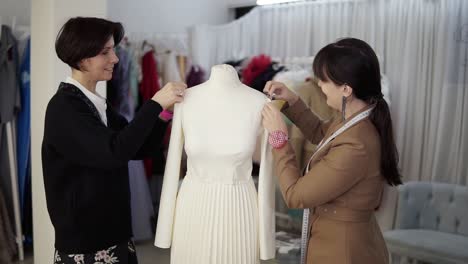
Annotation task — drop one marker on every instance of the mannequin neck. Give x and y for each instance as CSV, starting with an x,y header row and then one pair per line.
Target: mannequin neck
x,y
224,75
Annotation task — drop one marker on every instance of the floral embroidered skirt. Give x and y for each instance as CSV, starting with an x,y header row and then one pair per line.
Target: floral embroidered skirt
x,y
122,254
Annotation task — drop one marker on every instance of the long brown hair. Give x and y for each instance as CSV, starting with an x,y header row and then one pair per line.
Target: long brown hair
x,y
352,61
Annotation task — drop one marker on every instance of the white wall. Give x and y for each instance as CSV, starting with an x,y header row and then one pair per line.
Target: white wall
x,y
167,16
47,17
238,3
21,9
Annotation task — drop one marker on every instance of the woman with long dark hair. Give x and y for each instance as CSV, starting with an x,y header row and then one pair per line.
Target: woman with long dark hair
x,y
356,155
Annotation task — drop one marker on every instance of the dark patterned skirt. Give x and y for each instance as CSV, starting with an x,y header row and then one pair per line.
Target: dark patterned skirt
x,y
123,254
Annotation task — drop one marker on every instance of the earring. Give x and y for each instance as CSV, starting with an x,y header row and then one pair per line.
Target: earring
x,y
343,108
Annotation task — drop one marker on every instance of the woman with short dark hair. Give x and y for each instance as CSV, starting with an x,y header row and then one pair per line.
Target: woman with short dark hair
x,y
355,157
87,146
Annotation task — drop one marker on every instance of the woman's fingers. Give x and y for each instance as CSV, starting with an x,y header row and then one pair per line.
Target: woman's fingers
x,y
178,88
171,93
267,87
275,90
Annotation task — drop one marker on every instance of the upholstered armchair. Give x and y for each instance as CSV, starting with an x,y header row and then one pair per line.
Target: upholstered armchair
x,y
431,223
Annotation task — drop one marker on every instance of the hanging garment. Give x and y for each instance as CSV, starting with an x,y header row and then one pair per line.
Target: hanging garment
x,y
24,144
217,217
255,67
135,75
9,86
27,224
141,204
385,83
7,238
24,123
267,75
5,177
9,106
123,102
148,87
170,70
170,73
118,88
293,79
149,84
196,76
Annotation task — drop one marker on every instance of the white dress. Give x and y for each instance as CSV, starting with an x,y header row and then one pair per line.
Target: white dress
x,y
217,216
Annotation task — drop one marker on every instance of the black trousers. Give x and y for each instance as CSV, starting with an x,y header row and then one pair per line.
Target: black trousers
x,y
122,254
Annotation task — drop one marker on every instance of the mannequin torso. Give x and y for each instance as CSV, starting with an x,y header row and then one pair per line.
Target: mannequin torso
x,y
218,123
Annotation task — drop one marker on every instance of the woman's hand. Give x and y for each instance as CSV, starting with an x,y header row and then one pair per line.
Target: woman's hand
x,y
272,119
277,90
171,93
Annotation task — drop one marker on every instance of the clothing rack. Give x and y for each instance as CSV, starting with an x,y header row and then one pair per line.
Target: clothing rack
x,y
11,139
295,62
181,58
147,44
14,187
176,42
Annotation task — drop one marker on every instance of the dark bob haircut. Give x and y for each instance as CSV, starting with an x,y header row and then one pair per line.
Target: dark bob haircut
x,y
85,37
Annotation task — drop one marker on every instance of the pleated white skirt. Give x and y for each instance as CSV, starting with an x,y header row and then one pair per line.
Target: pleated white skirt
x,y
215,223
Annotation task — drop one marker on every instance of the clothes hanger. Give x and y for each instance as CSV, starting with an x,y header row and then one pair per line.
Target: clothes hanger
x,y
20,32
146,46
23,32
125,42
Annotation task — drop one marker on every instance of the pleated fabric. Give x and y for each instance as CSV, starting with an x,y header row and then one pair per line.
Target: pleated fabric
x,y
216,223
217,216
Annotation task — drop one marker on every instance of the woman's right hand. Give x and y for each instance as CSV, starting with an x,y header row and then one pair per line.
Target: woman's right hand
x,y
171,93
278,90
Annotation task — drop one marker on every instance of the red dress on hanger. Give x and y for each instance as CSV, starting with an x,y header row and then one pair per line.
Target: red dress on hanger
x,y
149,85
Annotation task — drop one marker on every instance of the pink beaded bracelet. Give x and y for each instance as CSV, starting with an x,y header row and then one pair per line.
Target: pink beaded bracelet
x,y
278,139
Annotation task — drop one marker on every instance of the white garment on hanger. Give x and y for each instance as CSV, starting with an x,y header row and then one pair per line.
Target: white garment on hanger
x,y
170,70
385,84
293,79
217,216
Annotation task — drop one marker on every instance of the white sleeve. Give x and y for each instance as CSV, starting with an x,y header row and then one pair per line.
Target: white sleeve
x,y
266,201
170,186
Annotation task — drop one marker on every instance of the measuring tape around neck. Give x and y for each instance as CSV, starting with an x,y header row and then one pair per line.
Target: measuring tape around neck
x,y
306,216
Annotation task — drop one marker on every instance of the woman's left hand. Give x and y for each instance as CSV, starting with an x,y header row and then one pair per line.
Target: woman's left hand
x,y
272,119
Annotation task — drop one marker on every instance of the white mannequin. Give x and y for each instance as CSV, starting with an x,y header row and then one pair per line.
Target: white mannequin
x,y
217,217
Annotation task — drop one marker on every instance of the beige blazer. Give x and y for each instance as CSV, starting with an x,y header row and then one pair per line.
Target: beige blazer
x,y
316,100
344,185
